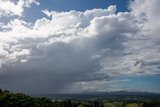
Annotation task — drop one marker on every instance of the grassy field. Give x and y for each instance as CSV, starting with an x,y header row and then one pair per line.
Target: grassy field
x,y
109,105
132,105
119,105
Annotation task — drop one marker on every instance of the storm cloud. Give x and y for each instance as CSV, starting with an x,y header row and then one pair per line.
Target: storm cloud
x,y
78,51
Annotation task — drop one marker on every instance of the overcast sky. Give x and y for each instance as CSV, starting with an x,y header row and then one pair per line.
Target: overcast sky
x,y
59,46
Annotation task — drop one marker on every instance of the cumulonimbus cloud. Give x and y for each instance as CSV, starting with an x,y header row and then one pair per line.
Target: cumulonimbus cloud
x,y
64,49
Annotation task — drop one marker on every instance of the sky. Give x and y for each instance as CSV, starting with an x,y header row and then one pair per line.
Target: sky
x,y
54,46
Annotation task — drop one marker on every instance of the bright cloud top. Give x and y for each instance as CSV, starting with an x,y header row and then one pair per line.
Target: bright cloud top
x,y
10,8
72,50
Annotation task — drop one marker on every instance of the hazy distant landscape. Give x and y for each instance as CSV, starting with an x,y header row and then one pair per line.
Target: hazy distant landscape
x,y
110,96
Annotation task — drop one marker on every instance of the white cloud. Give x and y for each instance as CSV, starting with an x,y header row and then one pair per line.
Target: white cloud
x,y
148,13
9,8
73,48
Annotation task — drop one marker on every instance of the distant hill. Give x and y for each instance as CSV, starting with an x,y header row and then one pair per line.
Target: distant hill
x,y
104,95
124,93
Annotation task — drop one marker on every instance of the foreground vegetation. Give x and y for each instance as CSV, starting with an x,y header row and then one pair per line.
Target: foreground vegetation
x,y
8,99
